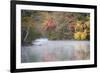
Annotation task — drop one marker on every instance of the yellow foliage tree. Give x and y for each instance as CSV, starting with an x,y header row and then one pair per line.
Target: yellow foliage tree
x,y
80,35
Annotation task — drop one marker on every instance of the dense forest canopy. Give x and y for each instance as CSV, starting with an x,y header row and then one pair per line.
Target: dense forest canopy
x,y
54,25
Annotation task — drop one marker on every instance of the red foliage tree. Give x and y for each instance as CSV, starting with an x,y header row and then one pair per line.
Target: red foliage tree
x,y
49,24
71,26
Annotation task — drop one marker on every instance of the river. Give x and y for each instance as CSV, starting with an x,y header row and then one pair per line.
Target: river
x,y
60,50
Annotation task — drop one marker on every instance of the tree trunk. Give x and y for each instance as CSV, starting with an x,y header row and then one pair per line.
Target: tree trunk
x,y
27,33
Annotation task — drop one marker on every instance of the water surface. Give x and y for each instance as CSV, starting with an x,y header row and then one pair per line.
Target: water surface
x,y
56,51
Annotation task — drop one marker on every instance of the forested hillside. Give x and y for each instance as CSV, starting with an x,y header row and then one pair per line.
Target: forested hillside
x,y
54,25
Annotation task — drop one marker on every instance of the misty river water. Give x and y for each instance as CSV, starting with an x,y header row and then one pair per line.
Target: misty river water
x,y
60,50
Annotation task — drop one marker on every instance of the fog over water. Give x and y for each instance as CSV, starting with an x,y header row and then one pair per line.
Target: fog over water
x,y
55,50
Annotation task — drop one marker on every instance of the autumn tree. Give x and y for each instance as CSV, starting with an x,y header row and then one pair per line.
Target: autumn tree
x,y
28,26
54,25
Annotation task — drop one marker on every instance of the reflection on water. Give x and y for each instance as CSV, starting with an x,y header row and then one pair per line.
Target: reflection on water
x,y
56,51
